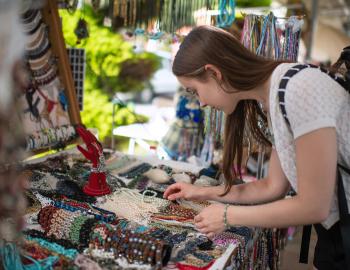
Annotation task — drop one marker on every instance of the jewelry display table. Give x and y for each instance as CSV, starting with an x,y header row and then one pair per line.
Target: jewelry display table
x,y
133,227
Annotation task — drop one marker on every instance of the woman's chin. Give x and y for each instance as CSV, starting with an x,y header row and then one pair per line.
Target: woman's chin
x,y
228,111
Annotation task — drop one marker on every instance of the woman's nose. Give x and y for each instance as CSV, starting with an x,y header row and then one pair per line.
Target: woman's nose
x,y
202,104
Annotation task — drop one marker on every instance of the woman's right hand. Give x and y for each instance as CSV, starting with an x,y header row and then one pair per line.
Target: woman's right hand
x,y
182,191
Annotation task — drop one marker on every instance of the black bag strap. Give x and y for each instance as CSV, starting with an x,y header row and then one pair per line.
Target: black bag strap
x,y
305,243
343,207
344,214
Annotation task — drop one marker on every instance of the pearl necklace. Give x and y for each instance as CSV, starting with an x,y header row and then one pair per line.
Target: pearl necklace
x,y
130,204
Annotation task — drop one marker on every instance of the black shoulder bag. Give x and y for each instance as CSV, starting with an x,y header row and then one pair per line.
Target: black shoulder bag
x,y
343,207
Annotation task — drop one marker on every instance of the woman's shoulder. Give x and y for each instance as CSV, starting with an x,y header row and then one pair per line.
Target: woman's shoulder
x,y
279,72
306,80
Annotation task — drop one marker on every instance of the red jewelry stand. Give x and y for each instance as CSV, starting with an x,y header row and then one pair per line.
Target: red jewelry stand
x,y
97,184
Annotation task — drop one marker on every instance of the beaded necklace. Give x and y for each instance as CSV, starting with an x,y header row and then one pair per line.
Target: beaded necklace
x,y
292,34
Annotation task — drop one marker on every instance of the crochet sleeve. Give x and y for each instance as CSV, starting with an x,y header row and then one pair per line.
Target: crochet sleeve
x,y
313,101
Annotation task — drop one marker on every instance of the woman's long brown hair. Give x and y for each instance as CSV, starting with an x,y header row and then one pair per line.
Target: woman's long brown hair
x,y
240,69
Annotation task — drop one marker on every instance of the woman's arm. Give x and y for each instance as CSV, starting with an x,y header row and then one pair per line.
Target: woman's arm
x,y
265,190
316,161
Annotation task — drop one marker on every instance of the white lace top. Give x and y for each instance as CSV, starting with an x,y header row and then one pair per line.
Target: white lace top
x,y
313,100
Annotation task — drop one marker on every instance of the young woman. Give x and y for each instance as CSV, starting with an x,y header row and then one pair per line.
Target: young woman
x,y
222,73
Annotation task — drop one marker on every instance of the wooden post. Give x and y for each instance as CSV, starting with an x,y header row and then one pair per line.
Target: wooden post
x,y
58,46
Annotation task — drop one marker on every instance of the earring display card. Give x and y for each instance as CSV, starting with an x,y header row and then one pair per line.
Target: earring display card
x,y
77,63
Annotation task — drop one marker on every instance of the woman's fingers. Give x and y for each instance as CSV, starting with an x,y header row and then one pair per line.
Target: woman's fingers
x,y
175,196
172,189
198,218
200,225
204,230
210,235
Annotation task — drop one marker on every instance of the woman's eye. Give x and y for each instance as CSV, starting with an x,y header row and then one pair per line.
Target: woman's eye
x,y
191,91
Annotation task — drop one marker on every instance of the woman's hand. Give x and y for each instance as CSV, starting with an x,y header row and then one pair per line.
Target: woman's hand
x,y
183,191
211,220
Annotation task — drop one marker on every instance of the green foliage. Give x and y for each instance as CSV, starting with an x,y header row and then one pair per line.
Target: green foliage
x,y
111,66
253,3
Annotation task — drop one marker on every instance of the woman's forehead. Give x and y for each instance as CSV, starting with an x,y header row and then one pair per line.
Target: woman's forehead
x,y
186,81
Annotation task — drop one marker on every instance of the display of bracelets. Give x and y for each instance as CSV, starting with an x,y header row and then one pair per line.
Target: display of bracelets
x,y
136,171
139,248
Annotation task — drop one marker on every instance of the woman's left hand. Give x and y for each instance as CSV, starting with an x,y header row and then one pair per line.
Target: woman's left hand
x,y
210,221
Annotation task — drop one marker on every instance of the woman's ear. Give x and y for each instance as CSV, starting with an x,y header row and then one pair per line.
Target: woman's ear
x,y
216,72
